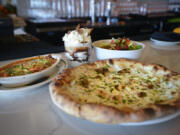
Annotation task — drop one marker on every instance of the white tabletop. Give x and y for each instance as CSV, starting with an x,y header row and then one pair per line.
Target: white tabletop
x,y
33,113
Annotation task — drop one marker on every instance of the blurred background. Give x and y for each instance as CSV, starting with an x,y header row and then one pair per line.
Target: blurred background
x,y
48,20
82,8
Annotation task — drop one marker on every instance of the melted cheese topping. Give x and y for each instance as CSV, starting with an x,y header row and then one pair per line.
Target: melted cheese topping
x,y
123,87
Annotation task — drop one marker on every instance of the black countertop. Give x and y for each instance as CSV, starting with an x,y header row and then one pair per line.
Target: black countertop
x,y
27,49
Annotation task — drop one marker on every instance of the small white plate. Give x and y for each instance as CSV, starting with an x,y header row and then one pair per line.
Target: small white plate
x,y
164,43
59,68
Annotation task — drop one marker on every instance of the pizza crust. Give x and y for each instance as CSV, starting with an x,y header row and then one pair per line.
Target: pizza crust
x,y
102,113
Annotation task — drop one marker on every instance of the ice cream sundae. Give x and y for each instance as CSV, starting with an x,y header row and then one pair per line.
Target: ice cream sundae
x,y
78,44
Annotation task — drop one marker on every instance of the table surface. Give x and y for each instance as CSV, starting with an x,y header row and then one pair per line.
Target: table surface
x,y
33,113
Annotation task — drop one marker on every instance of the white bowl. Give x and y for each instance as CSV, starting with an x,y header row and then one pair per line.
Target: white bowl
x,y
164,43
21,80
102,53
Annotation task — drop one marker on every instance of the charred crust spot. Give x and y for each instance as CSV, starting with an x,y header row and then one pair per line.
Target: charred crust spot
x,y
173,92
150,111
105,70
59,78
102,62
116,87
122,114
163,67
156,68
79,108
76,105
115,78
91,64
158,101
142,94
150,86
101,94
84,82
102,70
92,106
111,61
174,73
132,66
166,107
49,56
115,98
98,77
105,112
124,71
58,83
167,77
101,91
67,71
85,100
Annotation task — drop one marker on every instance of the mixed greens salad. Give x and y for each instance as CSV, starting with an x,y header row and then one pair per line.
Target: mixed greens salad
x,y
120,44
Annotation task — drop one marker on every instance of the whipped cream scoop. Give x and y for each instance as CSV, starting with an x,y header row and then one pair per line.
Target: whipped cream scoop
x,y
78,37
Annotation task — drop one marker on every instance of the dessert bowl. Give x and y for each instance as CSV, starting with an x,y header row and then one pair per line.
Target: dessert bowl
x,y
77,44
103,53
16,78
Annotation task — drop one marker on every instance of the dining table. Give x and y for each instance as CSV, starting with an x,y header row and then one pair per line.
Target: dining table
x,y
32,112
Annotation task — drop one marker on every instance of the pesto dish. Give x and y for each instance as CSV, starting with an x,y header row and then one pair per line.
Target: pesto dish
x,y
27,66
120,44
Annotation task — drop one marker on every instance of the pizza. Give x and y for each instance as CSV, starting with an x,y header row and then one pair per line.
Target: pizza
x,y
117,91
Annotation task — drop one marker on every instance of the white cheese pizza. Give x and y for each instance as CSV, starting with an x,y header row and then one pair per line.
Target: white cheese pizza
x,y
117,91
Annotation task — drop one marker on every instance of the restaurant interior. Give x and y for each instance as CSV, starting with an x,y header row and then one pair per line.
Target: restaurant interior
x,y
47,21
31,28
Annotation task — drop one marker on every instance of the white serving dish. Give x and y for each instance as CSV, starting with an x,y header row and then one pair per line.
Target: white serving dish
x,y
163,43
102,53
17,81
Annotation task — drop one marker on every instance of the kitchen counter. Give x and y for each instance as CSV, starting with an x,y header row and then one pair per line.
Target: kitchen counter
x,y
33,113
